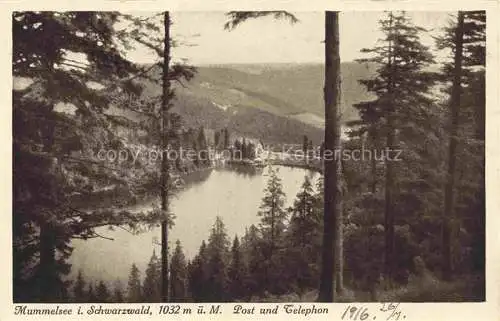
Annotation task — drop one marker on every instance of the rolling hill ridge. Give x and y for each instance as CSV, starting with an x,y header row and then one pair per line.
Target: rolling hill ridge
x,y
274,102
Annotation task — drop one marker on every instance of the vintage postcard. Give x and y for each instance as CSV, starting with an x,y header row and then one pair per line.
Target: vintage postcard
x,y
239,163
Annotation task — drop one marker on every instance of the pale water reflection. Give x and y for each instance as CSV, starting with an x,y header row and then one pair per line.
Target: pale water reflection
x,y
233,194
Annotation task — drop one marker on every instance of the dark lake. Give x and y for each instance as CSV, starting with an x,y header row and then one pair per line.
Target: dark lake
x,y
233,194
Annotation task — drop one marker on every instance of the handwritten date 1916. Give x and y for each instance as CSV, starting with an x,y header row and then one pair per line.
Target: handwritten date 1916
x,y
388,311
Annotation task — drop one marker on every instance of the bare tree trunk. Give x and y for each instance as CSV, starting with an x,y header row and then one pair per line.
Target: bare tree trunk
x,y
164,163
332,139
47,276
339,237
389,174
447,267
373,161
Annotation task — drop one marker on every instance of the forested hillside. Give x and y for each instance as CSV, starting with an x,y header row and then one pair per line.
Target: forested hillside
x,y
284,101
283,89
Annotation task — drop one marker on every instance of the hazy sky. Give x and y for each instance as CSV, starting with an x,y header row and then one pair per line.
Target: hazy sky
x,y
267,40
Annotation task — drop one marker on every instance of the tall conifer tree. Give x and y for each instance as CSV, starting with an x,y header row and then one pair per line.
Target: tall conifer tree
x,y
401,86
178,274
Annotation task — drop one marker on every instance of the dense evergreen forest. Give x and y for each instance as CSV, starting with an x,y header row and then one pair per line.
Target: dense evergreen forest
x,y
408,225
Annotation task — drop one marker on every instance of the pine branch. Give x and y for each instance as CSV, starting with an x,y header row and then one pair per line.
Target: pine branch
x,y
238,17
102,236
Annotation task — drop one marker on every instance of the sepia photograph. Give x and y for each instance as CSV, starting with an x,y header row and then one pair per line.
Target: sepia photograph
x,y
248,156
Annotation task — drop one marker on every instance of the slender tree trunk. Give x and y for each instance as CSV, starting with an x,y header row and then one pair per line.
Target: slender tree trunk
x,y
272,231
448,216
479,257
46,280
373,163
339,237
332,138
164,163
389,174
47,276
